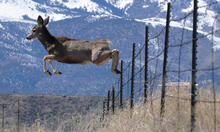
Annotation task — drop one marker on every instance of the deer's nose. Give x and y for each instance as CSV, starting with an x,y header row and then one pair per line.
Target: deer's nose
x,y
28,38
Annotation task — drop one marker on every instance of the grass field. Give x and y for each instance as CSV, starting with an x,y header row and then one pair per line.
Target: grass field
x,y
146,117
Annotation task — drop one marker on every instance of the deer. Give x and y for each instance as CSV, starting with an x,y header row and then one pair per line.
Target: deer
x,y
72,51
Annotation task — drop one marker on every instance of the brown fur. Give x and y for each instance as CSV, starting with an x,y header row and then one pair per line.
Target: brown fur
x,y
73,51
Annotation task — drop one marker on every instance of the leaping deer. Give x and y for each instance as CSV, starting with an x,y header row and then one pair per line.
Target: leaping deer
x,y
72,51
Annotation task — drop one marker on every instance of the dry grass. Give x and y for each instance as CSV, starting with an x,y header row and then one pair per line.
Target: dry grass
x,y
145,118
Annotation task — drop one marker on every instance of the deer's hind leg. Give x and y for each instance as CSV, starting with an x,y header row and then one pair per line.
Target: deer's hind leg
x,y
101,57
115,59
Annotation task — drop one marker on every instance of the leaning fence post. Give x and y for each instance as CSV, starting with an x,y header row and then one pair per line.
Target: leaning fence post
x,y
132,77
113,100
163,91
146,66
121,86
194,59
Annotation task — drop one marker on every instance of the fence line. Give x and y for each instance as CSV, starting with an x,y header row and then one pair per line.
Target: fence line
x,y
155,76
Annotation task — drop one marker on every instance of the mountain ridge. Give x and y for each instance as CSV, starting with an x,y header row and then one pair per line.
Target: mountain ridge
x,y
21,60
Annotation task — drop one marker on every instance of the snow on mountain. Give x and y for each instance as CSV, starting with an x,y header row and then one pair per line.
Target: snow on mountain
x,y
87,5
28,10
1,27
206,16
122,21
13,10
121,4
162,4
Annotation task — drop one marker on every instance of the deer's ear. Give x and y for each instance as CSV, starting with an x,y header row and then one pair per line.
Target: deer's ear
x,y
40,20
46,21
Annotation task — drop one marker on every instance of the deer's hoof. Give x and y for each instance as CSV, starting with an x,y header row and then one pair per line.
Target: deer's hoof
x,y
57,72
116,71
48,72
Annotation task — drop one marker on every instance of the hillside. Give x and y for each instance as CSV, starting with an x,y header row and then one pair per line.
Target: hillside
x,y
50,109
123,22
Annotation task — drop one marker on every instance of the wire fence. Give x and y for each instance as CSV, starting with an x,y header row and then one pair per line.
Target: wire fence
x,y
141,77
154,64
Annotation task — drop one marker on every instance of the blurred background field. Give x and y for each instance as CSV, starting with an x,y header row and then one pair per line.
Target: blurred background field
x,y
77,117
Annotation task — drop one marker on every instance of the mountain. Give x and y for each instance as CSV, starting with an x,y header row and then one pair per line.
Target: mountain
x,y
123,22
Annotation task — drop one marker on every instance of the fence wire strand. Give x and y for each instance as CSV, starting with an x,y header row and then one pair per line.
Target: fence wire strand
x,y
155,75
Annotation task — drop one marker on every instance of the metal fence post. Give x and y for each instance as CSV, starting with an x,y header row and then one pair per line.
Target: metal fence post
x,y
194,59
121,86
163,91
108,101
113,100
146,66
132,77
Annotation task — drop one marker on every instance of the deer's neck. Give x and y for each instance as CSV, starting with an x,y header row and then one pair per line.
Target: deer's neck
x,y
49,42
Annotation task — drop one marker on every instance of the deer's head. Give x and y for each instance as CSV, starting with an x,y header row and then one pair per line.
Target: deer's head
x,y
39,28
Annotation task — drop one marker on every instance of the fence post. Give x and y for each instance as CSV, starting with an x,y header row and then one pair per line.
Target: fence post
x,y
163,91
121,86
113,100
132,77
194,59
108,101
18,115
146,66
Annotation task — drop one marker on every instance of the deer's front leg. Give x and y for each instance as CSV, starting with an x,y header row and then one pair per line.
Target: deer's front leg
x,y
45,61
52,67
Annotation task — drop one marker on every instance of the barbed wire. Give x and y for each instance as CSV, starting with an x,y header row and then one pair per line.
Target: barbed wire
x,y
151,59
190,41
128,65
139,90
142,47
213,74
188,99
184,17
179,68
191,12
209,4
139,52
158,34
159,54
199,69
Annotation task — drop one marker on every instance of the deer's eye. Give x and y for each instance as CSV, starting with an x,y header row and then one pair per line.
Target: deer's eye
x,y
34,30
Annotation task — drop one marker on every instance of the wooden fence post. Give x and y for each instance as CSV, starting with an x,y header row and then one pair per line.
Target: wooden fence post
x,y
194,59
163,91
132,77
